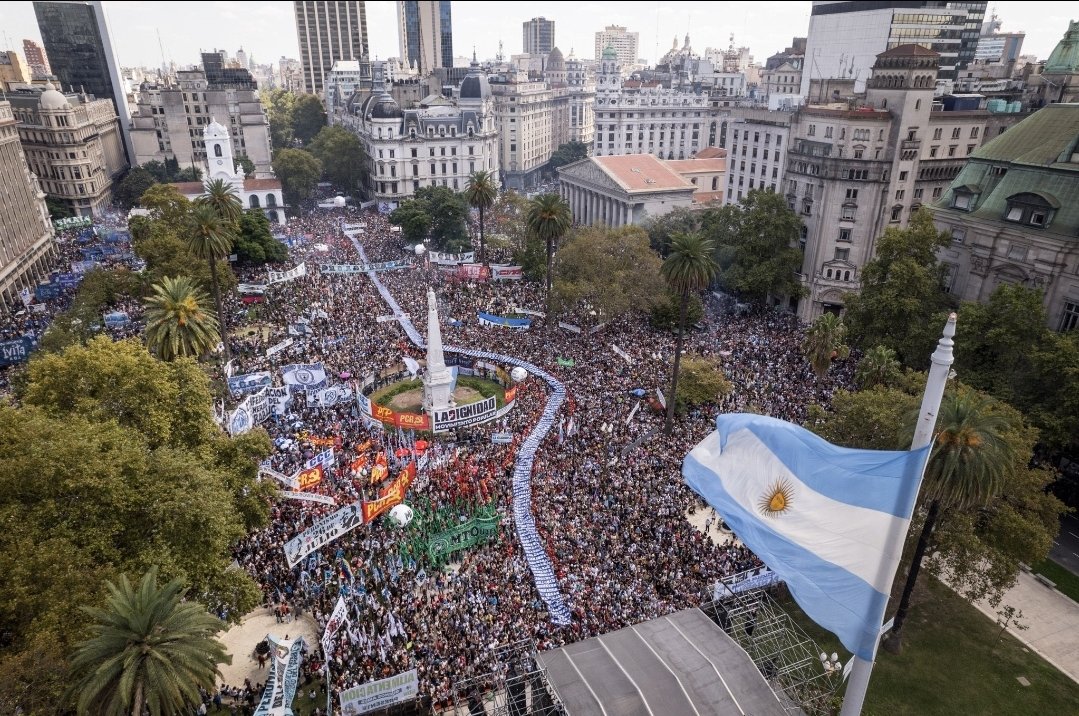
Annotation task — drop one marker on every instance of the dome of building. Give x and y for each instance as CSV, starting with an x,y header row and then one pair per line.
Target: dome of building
x,y
51,99
215,129
384,107
555,62
475,84
609,53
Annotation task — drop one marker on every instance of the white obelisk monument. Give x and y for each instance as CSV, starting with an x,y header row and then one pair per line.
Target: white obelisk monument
x,y
437,381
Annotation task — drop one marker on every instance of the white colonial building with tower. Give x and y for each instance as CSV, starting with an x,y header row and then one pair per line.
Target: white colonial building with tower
x,y
221,164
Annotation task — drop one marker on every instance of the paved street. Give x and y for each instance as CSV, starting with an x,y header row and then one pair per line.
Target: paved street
x,y
1065,549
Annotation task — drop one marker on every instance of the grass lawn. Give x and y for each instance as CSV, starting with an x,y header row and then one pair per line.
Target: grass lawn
x,y
1067,583
954,662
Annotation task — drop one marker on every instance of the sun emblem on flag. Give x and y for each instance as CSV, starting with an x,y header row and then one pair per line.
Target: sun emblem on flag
x,y
776,499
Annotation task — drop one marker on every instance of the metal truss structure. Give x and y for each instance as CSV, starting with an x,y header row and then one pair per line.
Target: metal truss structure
x,y
786,656
517,687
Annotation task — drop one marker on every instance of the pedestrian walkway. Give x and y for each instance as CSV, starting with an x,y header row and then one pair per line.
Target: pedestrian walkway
x,y
1052,620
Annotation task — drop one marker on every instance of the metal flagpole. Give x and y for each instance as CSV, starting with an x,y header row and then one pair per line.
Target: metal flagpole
x,y
939,371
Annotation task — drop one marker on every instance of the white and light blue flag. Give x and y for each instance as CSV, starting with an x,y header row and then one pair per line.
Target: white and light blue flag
x,y
830,521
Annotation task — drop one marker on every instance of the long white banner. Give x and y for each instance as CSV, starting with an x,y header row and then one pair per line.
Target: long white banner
x,y
308,496
444,259
338,620
289,482
380,694
277,348
283,678
464,415
281,276
323,532
506,273
252,411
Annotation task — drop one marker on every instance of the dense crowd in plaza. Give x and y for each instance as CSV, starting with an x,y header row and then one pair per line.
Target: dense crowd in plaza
x,y
613,519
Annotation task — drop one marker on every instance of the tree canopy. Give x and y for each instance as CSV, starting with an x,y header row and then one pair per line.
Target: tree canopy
x,y
756,246
278,104
341,155
662,229
437,213
130,189
567,154
612,270
700,381
901,292
308,117
299,172
136,474
255,244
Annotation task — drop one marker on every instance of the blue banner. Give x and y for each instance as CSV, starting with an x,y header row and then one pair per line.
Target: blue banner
x,y
487,319
116,319
16,351
48,290
249,383
67,280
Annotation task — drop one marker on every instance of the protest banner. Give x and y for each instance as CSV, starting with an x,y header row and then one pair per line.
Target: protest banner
x,y
323,532
282,276
278,347
283,678
311,477
308,497
482,527
465,415
379,694
506,273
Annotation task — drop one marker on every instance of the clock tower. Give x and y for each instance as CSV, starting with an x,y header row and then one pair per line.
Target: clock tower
x,y
220,163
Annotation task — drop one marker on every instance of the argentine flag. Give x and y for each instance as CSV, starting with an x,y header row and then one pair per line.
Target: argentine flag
x,y
831,521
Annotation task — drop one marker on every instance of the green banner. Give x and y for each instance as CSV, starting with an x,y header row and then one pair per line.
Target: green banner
x,y
482,527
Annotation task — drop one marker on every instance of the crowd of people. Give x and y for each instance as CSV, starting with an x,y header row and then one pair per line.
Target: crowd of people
x,y
607,492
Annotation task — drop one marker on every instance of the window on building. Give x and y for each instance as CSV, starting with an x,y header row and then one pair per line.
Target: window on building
x,y
845,235
852,194
807,208
847,213
951,150
897,213
1069,319
812,130
842,254
938,132
899,194
902,176
937,192
1017,252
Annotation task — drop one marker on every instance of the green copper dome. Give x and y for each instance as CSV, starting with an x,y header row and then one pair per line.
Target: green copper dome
x,y
1065,56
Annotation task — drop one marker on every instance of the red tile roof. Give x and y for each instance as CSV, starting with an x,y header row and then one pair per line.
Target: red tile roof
x,y
189,188
690,166
710,153
262,184
641,173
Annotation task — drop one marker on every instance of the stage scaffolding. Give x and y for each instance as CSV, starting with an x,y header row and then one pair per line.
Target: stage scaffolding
x,y
517,687
785,655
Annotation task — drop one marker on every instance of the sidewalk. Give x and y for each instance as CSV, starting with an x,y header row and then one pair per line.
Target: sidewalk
x,y
1052,620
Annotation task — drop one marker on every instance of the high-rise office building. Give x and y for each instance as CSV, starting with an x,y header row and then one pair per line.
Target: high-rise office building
x,y
846,37
538,36
328,32
624,44
425,32
81,55
36,58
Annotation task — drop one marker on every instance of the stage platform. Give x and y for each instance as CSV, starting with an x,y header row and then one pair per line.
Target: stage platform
x,y
679,665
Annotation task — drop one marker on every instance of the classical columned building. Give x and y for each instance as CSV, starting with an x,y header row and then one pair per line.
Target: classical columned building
x,y
622,190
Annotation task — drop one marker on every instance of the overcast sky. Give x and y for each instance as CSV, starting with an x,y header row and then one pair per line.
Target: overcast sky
x,y
267,29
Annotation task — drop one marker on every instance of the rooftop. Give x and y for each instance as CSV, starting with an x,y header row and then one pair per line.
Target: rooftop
x,y
1047,137
641,173
700,164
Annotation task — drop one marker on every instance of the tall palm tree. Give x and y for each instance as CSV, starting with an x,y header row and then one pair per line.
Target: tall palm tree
x,y
824,343
968,465
148,649
548,219
211,239
879,366
177,321
480,193
223,199
689,268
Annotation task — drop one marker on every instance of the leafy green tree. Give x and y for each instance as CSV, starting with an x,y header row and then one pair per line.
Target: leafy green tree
x,y
480,193
166,255
149,649
661,229
548,219
211,240
222,198
701,381
824,342
447,210
158,171
879,366
167,204
688,269
968,466
341,155
664,312
191,173
411,215
531,255
1051,393
298,172
255,243
901,292
178,322
246,164
756,244
58,209
130,189
567,154
612,270
308,117
279,104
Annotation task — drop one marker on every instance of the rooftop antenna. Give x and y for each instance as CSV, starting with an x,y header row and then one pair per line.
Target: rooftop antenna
x,y
161,46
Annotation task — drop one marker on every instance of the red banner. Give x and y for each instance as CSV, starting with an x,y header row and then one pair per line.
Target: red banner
x,y
309,478
413,421
511,393
392,494
474,272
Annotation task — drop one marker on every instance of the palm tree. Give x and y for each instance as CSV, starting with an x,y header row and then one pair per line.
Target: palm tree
x,y
968,465
879,366
223,199
548,219
480,194
211,239
824,343
177,321
148,649
689,267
